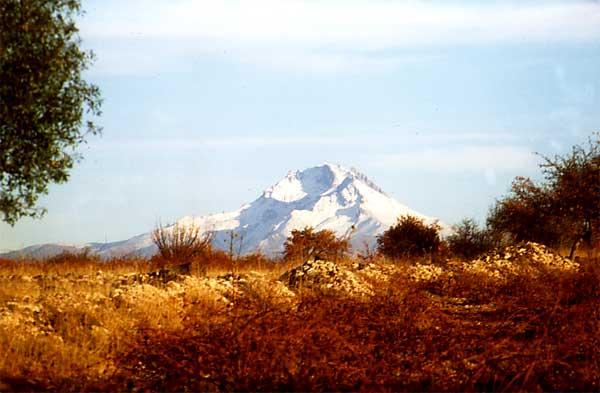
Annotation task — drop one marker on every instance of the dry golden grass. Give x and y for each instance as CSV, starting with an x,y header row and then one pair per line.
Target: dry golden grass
x,y
86,325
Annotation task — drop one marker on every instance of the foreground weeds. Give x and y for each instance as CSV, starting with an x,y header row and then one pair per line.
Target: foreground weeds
x,y
81,329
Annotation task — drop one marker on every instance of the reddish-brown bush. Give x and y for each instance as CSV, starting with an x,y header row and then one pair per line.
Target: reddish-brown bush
x,y
459,332
308,243
462,334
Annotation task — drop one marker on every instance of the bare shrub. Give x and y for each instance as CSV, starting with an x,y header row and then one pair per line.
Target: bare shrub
x,y
181,243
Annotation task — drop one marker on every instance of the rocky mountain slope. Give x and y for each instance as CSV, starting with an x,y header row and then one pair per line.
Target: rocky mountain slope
x,y
324,197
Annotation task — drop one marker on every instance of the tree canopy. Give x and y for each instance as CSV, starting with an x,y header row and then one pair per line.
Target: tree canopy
x,y
308,243
468,240
44,100
575,182
409,237
525,214
562,210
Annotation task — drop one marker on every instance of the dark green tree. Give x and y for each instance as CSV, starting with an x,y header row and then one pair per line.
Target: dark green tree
x,y
44,100
410,237
468,240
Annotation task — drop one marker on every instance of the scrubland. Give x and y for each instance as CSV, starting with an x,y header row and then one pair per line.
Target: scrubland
x,y
520,319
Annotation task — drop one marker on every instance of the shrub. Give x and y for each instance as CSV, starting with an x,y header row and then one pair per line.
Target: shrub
x,y
562,210
526,214
181,243
308,243
469,240
410,237
66,257
575,182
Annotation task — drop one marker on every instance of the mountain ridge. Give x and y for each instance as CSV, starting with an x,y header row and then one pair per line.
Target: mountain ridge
x,y
328,196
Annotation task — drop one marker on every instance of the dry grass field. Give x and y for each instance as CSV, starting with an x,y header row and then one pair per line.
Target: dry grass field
x,y
523,319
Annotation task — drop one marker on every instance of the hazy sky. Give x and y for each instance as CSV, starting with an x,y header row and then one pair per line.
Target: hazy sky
x,y
207,103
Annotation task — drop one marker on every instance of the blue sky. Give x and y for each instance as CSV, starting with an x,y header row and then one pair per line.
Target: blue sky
x,y
207,103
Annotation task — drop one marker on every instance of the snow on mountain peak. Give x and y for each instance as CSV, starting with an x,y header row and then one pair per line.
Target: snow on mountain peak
x,y
324,197
312,182
328,196
289,189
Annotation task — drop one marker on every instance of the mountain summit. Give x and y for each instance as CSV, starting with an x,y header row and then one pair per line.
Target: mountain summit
x,y
324,197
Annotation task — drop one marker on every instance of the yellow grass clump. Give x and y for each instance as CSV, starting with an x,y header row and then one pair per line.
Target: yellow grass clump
x,y
353,324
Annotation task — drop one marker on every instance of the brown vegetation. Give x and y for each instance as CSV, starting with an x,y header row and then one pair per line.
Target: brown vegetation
x,y
310,244
181,243
108,326
517,318
561,211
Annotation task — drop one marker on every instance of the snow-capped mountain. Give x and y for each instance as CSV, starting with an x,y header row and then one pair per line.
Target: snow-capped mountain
x,y
324,197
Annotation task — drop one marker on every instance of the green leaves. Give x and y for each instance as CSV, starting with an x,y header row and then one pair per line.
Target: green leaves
x,y
43,100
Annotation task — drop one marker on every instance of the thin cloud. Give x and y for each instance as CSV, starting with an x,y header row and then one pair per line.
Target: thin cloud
x,y
489,159
327,35
188,144
363,140
370,23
